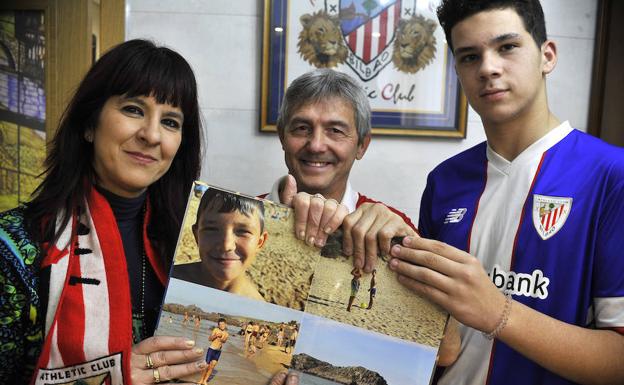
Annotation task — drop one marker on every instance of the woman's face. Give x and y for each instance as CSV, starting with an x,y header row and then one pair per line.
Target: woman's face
x,y
134,143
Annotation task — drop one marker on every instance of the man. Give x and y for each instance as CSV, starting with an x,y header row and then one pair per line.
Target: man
x,y
539,206
324,126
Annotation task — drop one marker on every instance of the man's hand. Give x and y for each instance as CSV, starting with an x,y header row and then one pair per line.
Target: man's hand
x,y
451,278
315,216
368,232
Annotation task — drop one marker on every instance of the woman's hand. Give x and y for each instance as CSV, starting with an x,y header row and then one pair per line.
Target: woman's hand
x,y
163,358
284,378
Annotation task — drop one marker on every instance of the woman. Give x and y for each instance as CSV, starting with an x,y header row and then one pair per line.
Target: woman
x,y
84,264
87,259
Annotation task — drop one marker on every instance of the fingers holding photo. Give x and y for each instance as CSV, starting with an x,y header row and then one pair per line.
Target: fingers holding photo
x,y
316,217
449,277
368,233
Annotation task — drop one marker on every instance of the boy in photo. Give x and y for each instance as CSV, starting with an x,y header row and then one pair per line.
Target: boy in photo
x,y
229,233
217,338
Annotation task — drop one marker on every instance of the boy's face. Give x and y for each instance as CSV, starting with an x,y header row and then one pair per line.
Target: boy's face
x,y
228,242
222,325
499,65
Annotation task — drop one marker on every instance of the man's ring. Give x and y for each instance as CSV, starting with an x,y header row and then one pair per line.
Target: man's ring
x,y
148,361
156,375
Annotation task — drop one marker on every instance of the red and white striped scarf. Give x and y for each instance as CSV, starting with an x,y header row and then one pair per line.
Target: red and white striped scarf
x,y
89,314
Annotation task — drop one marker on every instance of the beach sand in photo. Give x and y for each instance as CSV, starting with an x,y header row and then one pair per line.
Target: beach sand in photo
x,y
283,268
233,367
396,311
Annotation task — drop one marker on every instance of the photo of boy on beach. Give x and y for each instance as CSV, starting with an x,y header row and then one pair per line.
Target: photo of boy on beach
x,y
217,338
229,232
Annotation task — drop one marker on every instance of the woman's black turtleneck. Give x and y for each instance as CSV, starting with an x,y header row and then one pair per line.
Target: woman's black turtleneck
x,y
129,216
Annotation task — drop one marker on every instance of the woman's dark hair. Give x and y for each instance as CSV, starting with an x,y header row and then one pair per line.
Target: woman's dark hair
x,y
133,68
451,12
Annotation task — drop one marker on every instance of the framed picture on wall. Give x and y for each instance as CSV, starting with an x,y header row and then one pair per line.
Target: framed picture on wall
x,y
395,48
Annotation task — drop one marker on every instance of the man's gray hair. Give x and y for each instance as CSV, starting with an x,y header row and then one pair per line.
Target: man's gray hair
x,y
322,84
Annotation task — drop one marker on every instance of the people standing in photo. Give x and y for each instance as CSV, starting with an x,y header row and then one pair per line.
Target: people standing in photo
x,y
280,335
355,286
217,338
372,289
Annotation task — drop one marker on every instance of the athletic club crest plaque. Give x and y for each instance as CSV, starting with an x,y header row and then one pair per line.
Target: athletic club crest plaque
x,y
550,214
395,49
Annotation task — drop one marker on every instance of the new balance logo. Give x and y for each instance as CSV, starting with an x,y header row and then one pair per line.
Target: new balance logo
x,y
455,215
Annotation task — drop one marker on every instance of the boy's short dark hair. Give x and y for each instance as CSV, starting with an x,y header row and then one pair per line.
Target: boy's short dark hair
x,y
221,320
224,202
451,12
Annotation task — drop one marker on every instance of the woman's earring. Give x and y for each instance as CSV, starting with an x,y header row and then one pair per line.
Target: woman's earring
x,y
89,136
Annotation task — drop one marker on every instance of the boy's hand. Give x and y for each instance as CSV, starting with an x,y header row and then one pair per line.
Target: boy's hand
x,y
315,216
451,278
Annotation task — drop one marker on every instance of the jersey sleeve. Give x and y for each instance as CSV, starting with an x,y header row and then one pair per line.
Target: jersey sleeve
x,y
608,275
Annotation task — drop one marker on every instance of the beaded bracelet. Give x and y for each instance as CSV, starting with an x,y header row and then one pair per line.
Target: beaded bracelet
x,y
503,321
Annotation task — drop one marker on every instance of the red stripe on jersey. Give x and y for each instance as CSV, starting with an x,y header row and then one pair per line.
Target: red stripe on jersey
x,y
368,32
383,31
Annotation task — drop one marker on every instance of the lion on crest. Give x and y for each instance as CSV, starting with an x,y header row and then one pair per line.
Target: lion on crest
x,y
415,45
320,41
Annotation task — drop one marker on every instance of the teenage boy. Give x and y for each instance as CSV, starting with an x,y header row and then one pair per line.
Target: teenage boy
x,y
229,233
528,225
217,338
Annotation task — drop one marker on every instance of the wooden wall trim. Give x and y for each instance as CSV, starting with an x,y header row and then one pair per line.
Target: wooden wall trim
x,y
112,23
596,99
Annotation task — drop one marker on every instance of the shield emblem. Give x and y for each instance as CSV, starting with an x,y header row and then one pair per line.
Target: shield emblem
x,y
368,27
550,214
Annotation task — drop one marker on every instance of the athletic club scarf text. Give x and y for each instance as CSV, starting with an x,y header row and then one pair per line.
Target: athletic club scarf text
x,y
89,313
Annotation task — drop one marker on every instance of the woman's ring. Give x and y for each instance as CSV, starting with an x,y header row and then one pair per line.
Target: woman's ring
x,y
317,195
148,361
156,375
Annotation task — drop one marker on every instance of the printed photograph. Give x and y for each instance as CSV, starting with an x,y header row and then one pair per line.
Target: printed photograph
x,y
332,353
246,341
244,245
375,301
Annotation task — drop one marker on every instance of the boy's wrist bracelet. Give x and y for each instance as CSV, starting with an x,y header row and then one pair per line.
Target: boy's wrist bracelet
x,y
503,321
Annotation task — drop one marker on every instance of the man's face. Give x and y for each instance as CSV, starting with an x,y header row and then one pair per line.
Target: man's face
x,y
499,65
228,243
320,144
